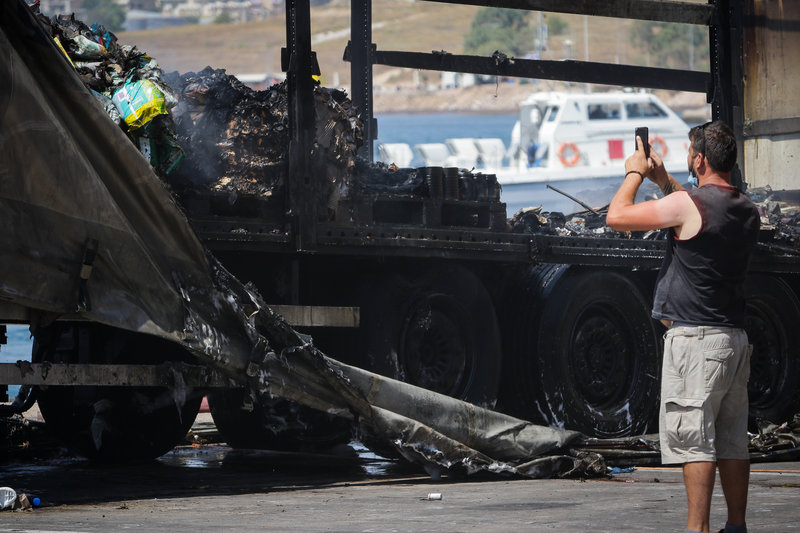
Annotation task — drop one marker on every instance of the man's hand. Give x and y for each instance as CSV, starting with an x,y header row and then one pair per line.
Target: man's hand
x,y
660,176
638,161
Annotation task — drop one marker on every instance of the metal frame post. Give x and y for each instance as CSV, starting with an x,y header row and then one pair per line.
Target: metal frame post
x,y
299,66
362,57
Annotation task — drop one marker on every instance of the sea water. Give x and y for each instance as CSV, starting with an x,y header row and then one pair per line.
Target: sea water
x,y
18,348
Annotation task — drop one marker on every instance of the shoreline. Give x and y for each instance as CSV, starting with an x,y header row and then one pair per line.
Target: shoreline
x,y
505,99
475,112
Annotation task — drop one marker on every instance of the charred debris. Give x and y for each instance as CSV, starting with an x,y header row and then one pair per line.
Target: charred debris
x,y
206,133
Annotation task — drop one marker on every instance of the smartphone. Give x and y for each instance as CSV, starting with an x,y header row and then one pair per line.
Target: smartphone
x,y
643,133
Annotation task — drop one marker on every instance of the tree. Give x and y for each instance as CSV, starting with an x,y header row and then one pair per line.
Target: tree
x,y
223,18
506,30
556,25
107,13
671,45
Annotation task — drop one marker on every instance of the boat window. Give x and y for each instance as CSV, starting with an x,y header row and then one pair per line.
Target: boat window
x,y
644,110
604,111
552,113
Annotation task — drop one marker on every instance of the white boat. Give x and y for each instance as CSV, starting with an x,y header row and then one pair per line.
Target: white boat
x,y
576,142
579,143
561,135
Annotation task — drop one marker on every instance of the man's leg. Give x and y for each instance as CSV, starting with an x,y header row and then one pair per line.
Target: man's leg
x,y
699,480
734,475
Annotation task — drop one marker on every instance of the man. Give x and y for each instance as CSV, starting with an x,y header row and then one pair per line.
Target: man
x,y
699,297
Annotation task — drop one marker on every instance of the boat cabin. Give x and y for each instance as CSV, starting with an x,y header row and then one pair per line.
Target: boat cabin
x,y
561,130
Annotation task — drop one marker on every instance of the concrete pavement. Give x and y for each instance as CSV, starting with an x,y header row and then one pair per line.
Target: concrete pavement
x,y
211,487
206,488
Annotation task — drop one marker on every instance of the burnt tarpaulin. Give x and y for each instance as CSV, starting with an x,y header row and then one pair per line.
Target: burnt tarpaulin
x,y
86,220
92,232
426,427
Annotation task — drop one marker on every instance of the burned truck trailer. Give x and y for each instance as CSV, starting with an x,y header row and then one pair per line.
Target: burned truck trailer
x,y
418,274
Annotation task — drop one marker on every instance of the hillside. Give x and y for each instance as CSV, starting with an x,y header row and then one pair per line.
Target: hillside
x,y
397,25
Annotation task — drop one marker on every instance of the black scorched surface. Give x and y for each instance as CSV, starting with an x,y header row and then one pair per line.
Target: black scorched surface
x,y
236,139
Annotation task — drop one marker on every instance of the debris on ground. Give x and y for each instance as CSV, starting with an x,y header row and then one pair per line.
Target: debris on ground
x,y
23,438
11,500
776,442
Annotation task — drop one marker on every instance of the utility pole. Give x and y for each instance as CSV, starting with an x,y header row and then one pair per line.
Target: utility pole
x,y
586,38
541,36
586,46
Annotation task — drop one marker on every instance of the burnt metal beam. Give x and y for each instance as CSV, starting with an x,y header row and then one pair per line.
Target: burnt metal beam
x,y
574,71
319,315
725,45
658,10
599,252
642,253
166,375
361,51
299,64
775,259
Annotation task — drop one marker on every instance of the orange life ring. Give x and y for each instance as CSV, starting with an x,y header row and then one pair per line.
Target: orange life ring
x,y
658,144
562,156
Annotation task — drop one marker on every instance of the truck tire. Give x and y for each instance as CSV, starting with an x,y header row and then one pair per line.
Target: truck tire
x,y
274,423
771,321
521,309
598,354
437,330
113,424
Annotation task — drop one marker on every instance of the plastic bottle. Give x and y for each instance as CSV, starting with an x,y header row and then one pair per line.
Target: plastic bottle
x,y
7,497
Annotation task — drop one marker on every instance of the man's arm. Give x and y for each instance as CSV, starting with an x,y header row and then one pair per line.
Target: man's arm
x,y
669,186
660,176
672,210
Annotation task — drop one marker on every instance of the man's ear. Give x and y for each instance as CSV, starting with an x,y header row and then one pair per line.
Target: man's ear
x,y
701,163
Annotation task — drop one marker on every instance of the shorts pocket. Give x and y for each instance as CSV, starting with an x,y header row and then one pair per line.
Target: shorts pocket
x,y
685,424
715,366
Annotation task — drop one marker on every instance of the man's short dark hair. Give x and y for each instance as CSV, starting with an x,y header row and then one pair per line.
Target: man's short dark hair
x,y
716,141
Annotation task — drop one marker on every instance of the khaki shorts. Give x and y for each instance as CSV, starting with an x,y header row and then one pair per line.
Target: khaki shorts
x,y
704,394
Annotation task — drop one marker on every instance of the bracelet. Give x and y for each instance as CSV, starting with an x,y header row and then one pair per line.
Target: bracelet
x,y
628,173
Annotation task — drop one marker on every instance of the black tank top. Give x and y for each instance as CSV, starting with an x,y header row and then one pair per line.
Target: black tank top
x,y
702,279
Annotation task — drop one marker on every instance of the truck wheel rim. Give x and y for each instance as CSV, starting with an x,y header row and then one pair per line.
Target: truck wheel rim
x,y
599,361
434,351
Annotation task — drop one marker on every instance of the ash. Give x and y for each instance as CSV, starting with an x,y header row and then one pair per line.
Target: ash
x,y
235,138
